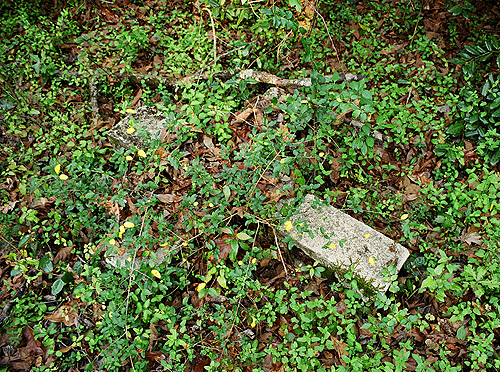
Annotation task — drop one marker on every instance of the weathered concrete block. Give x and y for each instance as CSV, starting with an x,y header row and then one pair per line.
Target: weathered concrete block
x,y
161,255
340,242
146,122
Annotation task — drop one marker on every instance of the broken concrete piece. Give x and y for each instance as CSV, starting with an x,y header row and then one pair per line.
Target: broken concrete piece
x,y
340,242
146,122
115,259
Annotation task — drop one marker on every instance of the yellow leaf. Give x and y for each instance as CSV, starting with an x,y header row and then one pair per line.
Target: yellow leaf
x,y
364,27
243,236
156,273
201,286
371,260
288,225
332,246
164,244
491,207
321,154
122,229
130,111
63,177
367,235
404,216
57,168
254,260
128,157
128,224
254,322
130,130
112,241
141,153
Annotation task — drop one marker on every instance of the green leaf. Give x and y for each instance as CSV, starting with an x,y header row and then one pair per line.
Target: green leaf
x,y
222,281
456,129
494,42
227,192
496,113
495,103
234,250
296,4
16,271
495,158
243,236
456,10
24,240
46,264
486,87
488,45
472,49
68,277
57,286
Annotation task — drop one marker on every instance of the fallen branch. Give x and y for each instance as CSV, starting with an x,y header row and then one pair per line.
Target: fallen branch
x,y
154,81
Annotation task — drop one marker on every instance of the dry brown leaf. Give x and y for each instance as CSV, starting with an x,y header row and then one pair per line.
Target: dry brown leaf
x,y
63,254
340,347
259,117
168,198
131,206
224,247
66,313
8,207
335,170
240,211
207,141
472,238
157,60
242,116
136,98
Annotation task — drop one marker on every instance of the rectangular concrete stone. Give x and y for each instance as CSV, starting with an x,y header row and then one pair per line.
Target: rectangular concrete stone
x,y
340,243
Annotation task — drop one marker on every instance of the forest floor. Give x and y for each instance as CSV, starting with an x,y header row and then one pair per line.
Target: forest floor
x,y
230,294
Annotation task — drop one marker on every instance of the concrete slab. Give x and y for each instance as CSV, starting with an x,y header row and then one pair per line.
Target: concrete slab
x,y
161,255
340,242
147,122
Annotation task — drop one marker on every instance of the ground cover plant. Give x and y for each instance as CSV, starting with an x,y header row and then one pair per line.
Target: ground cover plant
x,y
205,282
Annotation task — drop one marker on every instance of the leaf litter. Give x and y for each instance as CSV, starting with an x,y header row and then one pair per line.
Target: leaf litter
x,y
29,352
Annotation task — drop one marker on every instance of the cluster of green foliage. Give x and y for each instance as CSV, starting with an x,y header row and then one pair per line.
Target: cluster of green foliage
x,y
54,157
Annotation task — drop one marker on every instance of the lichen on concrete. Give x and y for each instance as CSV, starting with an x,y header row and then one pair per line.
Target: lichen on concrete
x,y
147,124
341,243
